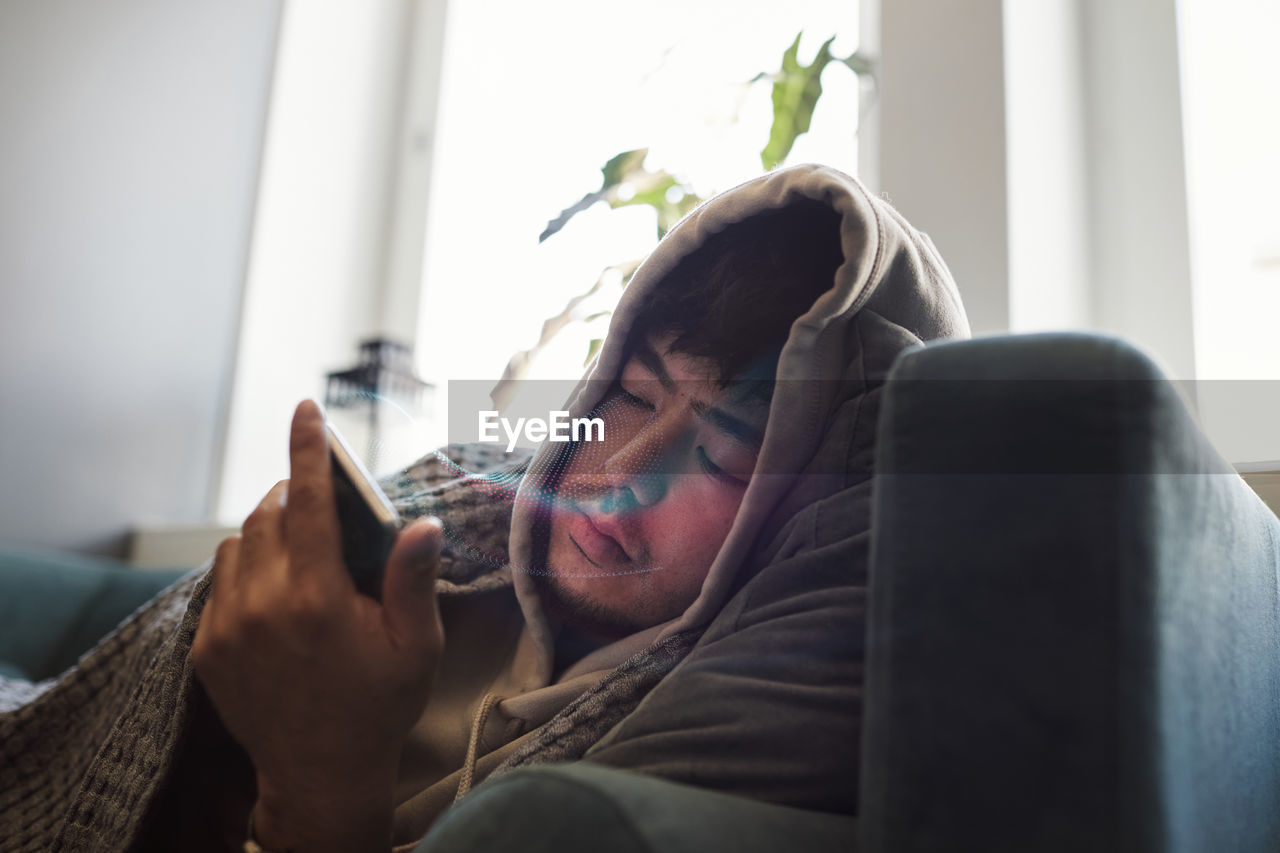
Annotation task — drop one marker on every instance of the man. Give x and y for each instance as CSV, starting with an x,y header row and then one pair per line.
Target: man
x,y
708,558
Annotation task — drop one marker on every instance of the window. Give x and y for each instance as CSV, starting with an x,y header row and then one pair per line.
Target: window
x,y
1230,82
531,110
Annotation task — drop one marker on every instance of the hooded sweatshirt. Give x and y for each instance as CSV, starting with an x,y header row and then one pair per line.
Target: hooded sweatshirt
x,y
754,690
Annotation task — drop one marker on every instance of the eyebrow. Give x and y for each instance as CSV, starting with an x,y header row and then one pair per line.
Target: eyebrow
x,y
727,423
648,356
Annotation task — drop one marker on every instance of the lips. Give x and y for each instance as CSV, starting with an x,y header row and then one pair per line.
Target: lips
x,y
597,541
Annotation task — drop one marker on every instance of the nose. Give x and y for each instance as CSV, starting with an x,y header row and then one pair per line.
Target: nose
x,y
635,470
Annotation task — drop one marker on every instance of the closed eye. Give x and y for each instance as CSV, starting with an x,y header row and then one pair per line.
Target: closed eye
x,y
634,401
716,471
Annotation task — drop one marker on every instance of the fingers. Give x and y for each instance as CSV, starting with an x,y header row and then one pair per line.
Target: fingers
x,y
226,568
263,531
310,517
409,584
225,572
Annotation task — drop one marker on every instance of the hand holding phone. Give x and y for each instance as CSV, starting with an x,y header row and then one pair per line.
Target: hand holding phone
x,y
369,522
322,695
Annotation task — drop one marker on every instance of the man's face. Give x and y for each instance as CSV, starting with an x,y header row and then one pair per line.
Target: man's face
x,y
640,516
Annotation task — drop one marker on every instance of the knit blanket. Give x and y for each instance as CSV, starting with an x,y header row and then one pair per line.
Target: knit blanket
x,y
83,756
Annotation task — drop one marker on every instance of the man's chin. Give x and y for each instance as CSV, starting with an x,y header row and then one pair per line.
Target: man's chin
x,y
586,614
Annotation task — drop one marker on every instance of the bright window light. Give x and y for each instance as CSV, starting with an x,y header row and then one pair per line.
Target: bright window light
x,y
537,97
1231,84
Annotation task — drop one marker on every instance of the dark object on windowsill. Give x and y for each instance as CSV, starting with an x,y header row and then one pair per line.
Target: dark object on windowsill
x,y
384,374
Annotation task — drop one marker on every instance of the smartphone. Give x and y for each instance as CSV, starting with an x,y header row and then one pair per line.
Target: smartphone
x,y
369,522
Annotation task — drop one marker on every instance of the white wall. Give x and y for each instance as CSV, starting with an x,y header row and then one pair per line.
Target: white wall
x,y
1140,274
941,141
1039,144
1096,177
340,218
1083,164
1048,166
128,162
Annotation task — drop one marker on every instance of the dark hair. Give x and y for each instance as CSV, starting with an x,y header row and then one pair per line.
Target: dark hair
x,y
734,298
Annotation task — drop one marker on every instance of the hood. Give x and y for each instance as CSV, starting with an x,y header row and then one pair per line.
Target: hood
x,y
892,291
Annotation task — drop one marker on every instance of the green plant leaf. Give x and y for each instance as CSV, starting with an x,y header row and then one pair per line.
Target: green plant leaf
x,y
796,89
593,347
615,173
646,187
621,167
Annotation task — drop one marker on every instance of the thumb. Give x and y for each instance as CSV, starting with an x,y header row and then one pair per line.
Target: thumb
x,y
409,585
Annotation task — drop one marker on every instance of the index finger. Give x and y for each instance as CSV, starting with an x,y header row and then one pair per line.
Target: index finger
x,y
310,515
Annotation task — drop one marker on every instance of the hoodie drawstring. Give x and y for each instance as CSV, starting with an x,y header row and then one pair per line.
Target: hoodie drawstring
x,y
487,704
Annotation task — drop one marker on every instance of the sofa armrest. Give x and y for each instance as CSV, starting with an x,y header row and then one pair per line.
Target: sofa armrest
x,y
1074,634
584,808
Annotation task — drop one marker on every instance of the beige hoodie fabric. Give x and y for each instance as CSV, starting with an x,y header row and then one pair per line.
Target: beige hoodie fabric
x,y
754,690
